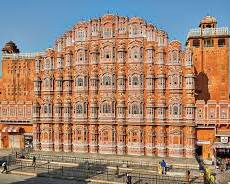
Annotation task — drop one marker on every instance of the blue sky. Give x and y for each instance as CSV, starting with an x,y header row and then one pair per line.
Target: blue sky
x,y
34,25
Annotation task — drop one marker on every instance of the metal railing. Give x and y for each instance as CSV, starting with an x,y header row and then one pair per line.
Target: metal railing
x,y
208,32
22,55
86,171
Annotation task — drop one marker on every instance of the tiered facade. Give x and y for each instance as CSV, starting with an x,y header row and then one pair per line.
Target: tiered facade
x,y
115,85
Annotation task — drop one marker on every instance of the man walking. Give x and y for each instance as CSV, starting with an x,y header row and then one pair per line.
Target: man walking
x,y
34,161
4,167
128,179
163,165
117,171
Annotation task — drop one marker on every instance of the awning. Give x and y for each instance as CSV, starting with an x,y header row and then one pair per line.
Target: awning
x,y
221,145
223,133
10,129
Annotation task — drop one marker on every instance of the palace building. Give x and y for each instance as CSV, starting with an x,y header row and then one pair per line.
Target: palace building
x,y
118,85
211,56
16,95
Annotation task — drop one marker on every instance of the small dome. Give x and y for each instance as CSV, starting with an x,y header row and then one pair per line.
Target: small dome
x,y
208,20
10,47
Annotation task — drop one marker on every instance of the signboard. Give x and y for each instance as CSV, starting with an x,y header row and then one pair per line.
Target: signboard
x,y
224,140
28,141
202,142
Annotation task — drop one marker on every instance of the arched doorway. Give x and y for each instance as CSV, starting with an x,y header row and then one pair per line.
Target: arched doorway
x,y
5,141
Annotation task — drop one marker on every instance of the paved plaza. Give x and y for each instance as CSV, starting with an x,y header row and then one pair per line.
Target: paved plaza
x,y
93,168
22,179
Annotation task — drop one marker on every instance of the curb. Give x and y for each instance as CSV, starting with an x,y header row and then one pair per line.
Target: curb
x,y
66,178
23,173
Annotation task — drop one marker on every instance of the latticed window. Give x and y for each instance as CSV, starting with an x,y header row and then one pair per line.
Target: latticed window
x,y
135,30
106,107
78,135
47,108
79,109
37,65
47,63
58,109
105,136
175,110
149,54
107,33
59,62
174,56
79,81
223,113
135,109
81,56
133,136
81,35
135,81
106,80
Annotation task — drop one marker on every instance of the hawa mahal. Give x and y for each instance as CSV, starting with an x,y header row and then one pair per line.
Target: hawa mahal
x,y
118,85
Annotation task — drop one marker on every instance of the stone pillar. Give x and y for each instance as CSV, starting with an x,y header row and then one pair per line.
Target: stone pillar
x,y
150,141
46,137
121,140
67,137
36,137
161,140
175,140
189,141
57,137
93,138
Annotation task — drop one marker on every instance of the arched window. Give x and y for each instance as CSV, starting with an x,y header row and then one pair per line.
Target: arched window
x,y
107,53
81,35
47,63
47,83
106,80
105,135
78,135
135,80
135,109
81,56
175,110
133,136
135,53
47,108
79,108
175,80
37,65
135,30
79,81
175,56
106,107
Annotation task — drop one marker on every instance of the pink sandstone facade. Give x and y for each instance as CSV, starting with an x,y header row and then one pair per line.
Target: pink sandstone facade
x,y
104,89
115,85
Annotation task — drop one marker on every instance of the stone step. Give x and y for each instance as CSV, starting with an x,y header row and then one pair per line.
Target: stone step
x,y
116,159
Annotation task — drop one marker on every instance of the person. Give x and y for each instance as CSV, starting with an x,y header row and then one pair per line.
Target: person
x,y
34,161
117,170
128,179
188,175
4,167
159,169
163,165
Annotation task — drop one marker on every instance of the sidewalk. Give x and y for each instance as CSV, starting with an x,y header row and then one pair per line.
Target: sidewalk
x,y
142,160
